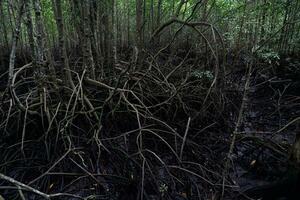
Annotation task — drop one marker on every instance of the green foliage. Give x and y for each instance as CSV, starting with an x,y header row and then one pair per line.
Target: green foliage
x,y
48,16
205,75
269,56
242,23
163,188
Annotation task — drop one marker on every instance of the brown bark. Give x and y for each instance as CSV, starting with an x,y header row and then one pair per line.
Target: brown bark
x,y
88,57
139,24
3,24
14,44
62,46
30,33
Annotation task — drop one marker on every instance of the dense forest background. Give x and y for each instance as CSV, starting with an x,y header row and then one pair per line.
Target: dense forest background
x,y
149,99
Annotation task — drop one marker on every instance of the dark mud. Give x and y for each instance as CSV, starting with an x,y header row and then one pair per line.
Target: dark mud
x,y
261,162
260,159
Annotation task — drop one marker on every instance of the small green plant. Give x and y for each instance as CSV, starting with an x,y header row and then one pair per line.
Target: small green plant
x,y
163,188
269,56
202,74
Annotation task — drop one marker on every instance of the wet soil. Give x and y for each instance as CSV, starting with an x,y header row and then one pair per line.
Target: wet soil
x,y
261,160
261,154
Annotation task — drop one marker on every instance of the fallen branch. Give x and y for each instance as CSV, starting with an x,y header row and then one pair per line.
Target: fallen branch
x,y
22,186
237,126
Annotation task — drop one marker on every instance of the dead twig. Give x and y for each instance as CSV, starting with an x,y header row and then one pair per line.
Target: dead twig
x,y
22,186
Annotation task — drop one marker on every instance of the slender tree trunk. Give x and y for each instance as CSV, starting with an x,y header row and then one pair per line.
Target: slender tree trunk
x,y
88,56
94,33
139,24
106,42
62,46
115,31
282,43
241,28
77,16
3,24
30,33
151,16
263,21
128,23
40,37
144,20
294,16
12,15
158,19
205,10
14,44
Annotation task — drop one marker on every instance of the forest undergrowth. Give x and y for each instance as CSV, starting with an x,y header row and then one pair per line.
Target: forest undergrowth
x,y
141,133
138,99
147,133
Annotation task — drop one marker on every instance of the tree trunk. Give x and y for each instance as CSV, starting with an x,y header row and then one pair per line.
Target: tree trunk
x,y
115,30
4,30
139,24
62,46
88,57
14,44
151,16
158,20
30,33
39,33
128,23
